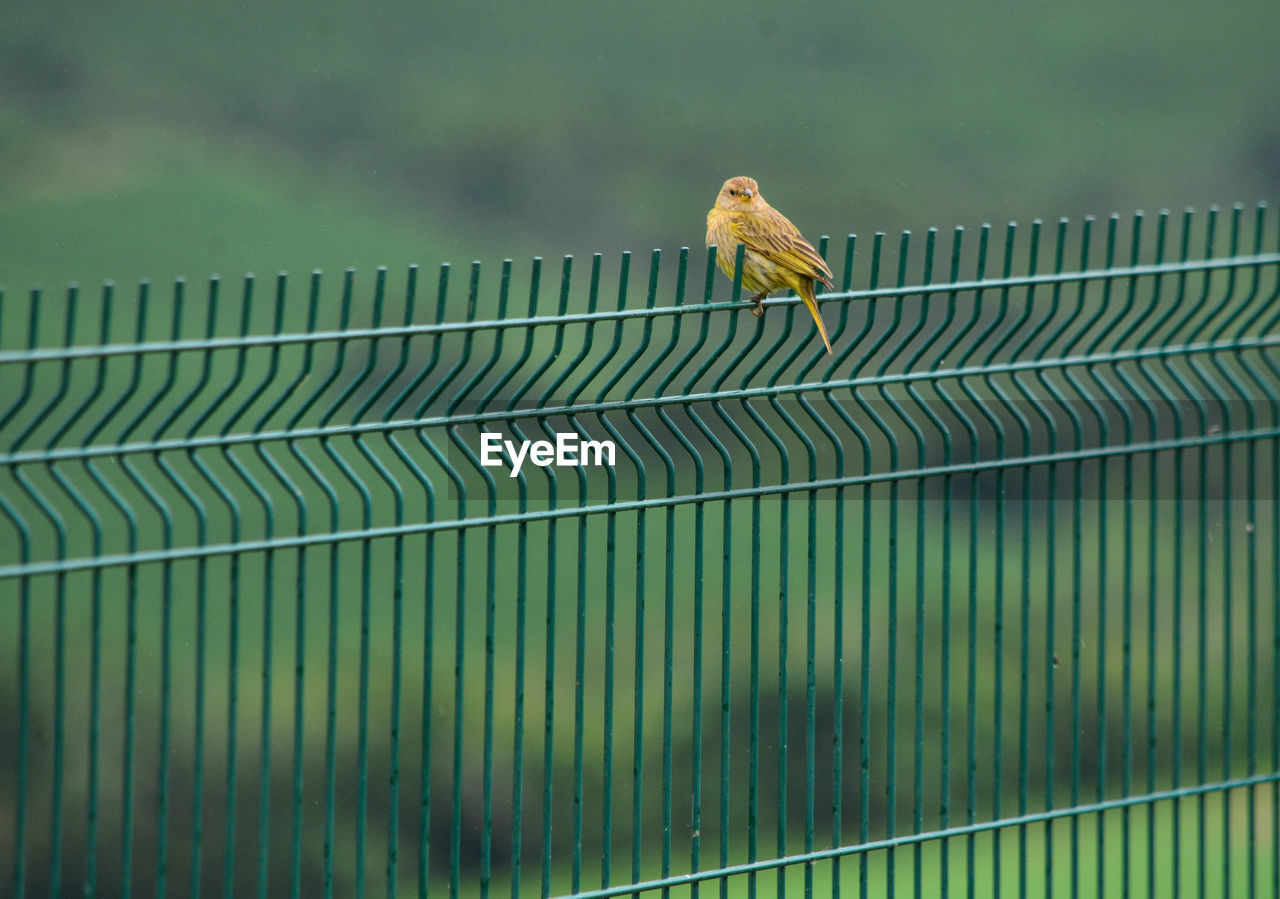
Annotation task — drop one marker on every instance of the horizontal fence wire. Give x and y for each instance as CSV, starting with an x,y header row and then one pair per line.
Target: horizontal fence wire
x,y
302,602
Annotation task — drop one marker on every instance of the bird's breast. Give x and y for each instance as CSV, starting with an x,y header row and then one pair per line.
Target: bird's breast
x,y
718,228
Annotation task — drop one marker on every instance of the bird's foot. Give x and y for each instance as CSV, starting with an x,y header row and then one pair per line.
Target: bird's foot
x,y
758,309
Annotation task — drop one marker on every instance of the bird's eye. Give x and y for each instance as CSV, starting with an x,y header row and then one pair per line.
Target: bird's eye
x,y
732,192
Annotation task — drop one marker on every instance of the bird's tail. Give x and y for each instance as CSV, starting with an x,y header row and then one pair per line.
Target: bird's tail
x,y
811,302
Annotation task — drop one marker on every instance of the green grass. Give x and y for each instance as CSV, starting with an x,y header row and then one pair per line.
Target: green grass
x,y
147,207
157,141
1196,846
1200,717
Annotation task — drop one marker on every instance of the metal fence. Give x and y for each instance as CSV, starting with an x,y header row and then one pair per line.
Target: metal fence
x,y
986,602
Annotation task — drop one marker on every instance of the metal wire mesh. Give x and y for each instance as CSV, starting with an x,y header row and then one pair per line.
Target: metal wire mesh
x,y
987,601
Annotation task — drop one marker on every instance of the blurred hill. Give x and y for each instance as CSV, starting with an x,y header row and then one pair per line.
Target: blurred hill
x,y
158,140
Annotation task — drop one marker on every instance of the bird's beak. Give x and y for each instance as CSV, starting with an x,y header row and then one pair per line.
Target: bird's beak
x,y
746,192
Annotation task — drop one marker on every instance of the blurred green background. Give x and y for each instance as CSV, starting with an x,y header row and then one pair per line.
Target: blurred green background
x,y
157,140
152,140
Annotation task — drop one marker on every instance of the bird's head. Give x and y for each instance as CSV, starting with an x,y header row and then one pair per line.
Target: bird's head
x,y
740,193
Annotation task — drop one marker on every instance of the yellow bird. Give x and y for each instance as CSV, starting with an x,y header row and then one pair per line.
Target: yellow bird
x,y
776,255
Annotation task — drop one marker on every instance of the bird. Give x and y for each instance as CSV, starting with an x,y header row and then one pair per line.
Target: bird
x,y
775,254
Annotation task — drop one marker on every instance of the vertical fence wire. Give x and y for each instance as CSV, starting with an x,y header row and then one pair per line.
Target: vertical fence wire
x,y
992,612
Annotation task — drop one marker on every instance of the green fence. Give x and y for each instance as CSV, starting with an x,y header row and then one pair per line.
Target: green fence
x,y
985,603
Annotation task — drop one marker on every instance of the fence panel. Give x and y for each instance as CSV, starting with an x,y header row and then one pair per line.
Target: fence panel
x,y
985,602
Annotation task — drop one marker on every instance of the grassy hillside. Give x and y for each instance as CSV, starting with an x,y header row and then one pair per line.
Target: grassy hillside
x,y
156,141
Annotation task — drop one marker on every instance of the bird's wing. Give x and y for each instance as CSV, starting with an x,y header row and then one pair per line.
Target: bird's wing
x,y
772,235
